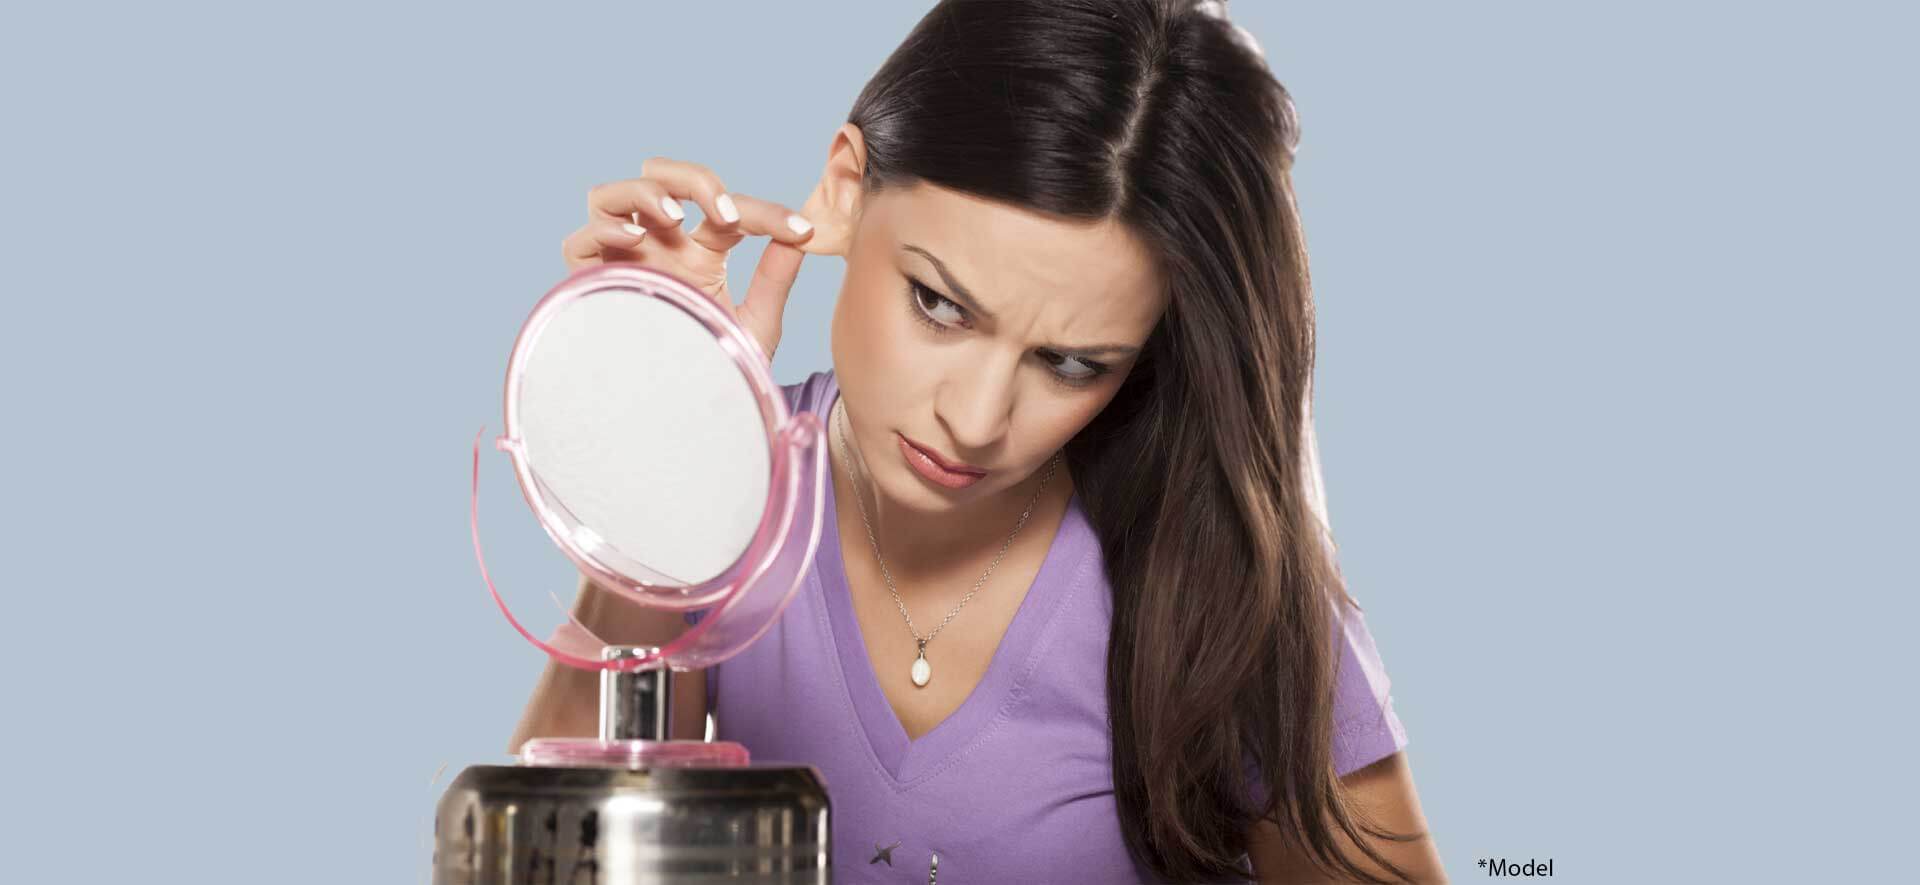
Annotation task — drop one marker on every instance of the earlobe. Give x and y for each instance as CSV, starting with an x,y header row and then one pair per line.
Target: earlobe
x,y
834,205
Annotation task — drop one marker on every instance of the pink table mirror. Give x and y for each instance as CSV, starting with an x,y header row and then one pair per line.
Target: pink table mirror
x,y
650,440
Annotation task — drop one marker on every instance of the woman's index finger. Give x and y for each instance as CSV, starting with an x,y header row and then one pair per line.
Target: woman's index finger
x,y
621,199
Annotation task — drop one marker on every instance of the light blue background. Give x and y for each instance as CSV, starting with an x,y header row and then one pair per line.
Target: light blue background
x,y
1616,403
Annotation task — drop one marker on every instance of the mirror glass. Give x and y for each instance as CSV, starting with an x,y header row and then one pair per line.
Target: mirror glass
x,y
644,437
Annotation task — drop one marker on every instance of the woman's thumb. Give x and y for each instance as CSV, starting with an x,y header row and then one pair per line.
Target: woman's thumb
x,y
766,303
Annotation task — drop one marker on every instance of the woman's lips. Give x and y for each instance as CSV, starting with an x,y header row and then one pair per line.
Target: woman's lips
x,y
927,466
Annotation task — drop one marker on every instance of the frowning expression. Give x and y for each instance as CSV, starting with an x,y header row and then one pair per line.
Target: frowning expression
x,y
986,334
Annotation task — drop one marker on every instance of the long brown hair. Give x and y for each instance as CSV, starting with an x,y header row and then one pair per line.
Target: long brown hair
x,y
1220,670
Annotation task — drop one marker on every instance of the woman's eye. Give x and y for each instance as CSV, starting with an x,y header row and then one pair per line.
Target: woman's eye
x,y
1074,370
935,308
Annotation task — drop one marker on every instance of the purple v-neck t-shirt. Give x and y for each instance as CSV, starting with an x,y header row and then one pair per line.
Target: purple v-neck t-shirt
x,y
1017,784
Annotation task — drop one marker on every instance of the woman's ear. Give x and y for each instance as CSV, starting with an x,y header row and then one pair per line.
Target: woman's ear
x,y
834,206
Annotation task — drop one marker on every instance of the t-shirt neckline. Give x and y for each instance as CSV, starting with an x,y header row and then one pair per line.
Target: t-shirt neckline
x,y
905,760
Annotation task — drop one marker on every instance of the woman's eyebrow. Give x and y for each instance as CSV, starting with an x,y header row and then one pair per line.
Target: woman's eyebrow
x,y
959,293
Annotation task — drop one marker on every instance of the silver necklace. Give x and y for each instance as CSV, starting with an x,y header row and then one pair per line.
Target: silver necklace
x,y
922,671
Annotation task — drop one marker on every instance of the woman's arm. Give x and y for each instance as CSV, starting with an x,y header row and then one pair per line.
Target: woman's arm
x,y
1383,790
566,701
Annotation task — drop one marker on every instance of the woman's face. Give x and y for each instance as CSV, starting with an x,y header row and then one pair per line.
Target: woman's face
x,y
984,332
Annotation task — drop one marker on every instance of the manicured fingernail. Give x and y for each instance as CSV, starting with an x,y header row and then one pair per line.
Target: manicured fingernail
x,y
798,225
634,229
728,213
671,206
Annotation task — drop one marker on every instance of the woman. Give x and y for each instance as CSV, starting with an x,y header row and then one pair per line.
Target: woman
x,y
1083,622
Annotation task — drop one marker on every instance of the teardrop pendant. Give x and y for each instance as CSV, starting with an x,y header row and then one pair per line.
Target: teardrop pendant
x,y
922,671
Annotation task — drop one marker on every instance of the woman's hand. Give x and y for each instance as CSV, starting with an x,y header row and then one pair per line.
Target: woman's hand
x,y
639,220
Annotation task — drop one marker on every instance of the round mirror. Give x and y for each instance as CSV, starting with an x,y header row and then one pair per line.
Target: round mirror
x,y
655,449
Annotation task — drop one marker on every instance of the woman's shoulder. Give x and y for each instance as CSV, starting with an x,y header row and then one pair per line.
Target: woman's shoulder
x,y
809,394
1366,727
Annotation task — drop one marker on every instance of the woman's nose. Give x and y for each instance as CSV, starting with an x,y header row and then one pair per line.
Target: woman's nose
x,y
975,409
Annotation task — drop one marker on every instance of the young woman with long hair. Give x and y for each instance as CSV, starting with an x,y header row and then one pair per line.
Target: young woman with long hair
x,y
1076,614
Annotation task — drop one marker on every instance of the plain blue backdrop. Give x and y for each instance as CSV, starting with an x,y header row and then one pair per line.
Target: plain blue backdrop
x,y
1615,402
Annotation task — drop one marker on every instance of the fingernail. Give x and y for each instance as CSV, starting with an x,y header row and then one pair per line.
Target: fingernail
x,y
634,229
727,212
798,225
671,206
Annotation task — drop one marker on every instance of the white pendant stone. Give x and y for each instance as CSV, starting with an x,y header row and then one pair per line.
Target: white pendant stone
x,y
922,671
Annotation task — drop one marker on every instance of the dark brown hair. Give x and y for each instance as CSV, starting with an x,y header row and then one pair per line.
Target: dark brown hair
x,y
1220,671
